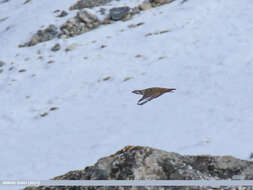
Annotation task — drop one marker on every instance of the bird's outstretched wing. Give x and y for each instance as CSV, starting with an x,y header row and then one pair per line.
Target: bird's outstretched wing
x,y
151,93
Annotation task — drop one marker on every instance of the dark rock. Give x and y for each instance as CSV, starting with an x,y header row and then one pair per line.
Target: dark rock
x,y
56,47
42,36
2,63
81,4
118,13
84,21
143,163
162,1
63,14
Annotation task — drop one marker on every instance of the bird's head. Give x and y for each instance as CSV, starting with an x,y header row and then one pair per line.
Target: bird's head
x,y
136,92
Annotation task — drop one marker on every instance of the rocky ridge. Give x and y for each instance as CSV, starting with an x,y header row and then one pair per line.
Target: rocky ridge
x,y
145,163
85,21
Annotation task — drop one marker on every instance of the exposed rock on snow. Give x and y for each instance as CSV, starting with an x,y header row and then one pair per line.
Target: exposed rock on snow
x,y
84,21
56,47
81,4
63,14
145,5
139,163
162,1
2,63
119,13
42,36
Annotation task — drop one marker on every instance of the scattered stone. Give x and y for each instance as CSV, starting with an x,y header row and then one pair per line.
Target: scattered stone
x,y
2,63
27,59
127,78
106,21
50,61
43,114
118,13
135,25
27,1
106,78
94,41
42,36
38,52
4,1
251,155
161,57
53,108
156,33
163,31
56,11
102,11
1,70
138,56
11,68
62,14
81,4
145,163
102,46
22,70
183,1
56,47
86,57
3,19
134,11
40,57
84,21
71,47
161,2
145,5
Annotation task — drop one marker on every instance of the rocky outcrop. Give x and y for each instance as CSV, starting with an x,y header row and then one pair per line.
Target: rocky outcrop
x,y
141,163
81,4
42,35
84,21
118,13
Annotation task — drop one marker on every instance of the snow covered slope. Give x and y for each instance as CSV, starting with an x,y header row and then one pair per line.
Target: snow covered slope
x,y
206,55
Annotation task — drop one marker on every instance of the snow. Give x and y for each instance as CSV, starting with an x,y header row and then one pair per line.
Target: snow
x,y
206,55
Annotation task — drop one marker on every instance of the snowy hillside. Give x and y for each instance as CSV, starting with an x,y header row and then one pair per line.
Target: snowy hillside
x,y
206,54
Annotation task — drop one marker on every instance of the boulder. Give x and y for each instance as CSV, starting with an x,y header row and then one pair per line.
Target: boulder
x,y
145,163
119,13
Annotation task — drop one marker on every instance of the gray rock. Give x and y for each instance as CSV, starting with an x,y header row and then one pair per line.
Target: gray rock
x,y
42,35
143,163
81,4
162,1
82,22
118,13
2,63
63,14
56,47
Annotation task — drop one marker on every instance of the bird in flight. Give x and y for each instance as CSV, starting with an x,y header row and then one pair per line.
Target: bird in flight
x,y
151,93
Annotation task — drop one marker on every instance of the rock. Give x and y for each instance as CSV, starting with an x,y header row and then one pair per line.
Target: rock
x,y
56,47
145,5
2,63
81,4
84,21
71,47
63,14
145,163
87,17
42,36
118,13
162,1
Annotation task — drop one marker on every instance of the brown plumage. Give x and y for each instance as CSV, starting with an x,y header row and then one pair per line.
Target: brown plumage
x,y
151,93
